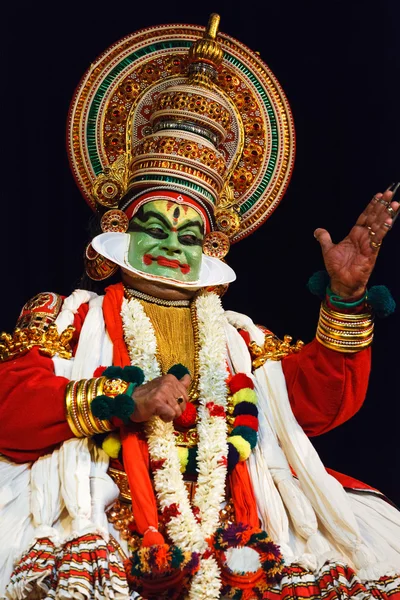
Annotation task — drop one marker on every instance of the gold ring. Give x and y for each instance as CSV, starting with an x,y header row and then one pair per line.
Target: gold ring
x,y
382,201
387,226
371,233
375,245
391,211
179,400
375,199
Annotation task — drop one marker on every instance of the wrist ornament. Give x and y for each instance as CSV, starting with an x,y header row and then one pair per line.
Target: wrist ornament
x,y
378,297
344,332
116,399
78,398
338,302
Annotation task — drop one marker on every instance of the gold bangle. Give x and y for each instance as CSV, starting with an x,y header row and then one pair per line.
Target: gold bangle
x,y
343,324
78,397
71,411
348,334
343,346
344,316
94,389
83,409
344,332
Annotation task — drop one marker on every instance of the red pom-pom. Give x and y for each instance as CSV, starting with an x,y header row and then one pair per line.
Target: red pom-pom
x,y
240,381
187,418
215,410
247,420
152,538
99,371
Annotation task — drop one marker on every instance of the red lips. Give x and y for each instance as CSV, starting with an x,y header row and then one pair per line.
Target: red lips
x,y
166,262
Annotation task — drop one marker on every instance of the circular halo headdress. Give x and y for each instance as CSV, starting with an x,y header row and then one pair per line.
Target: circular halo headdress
x,y
189,109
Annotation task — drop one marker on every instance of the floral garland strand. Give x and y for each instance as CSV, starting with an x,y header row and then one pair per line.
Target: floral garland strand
x,y
185,530
212,453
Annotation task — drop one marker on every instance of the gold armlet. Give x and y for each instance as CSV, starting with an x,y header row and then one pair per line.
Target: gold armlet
x,y
78,398
273,349
49,342
344,332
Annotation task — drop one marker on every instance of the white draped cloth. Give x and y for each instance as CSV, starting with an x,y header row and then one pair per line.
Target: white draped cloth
x,y
314,520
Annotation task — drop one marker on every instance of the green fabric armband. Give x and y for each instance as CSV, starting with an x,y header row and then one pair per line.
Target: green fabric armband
x,y
340,303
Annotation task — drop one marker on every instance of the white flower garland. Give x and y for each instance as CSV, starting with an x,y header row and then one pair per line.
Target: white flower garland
x,y
184,529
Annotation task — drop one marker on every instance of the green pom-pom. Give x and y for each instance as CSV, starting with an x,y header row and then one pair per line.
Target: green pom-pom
x,y
113,372
123,407
103,407
133,375
178,371
247,434
381,300
192,461
318,283
177,557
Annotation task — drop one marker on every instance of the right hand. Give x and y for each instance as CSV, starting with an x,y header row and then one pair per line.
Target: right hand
x,y
159,397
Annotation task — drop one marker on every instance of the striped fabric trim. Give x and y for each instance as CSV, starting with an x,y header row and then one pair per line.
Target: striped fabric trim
x,y
86,568
35,573
333,582
89,568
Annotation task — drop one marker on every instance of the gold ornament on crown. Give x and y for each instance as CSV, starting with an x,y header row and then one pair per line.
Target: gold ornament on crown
x,y
111,185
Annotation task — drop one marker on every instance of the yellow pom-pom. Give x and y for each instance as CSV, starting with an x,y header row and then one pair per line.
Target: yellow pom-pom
x,y
244,395
112,445
241,445
183,454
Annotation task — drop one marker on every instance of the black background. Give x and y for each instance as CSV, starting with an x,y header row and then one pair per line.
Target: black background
x,y
338,63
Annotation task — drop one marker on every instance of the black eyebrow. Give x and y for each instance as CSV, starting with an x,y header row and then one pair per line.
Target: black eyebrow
x,y
145,216
193,223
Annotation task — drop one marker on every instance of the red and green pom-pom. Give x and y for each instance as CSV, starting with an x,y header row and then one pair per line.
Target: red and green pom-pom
x,y
240,381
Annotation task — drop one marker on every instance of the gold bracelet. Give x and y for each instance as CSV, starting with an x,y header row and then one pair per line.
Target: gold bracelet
x,y
71,410
344,332
83,408
95,388
78,397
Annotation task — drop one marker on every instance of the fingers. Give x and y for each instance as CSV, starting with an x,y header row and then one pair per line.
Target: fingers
x,y
164,396
375,207
186,381
324,239
380,222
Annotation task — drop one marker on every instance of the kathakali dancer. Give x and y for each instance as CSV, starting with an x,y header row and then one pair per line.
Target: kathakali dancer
x,y
152,443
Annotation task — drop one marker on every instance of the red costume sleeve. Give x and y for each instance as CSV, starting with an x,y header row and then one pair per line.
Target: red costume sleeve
x,y
32,403
32,407
326,388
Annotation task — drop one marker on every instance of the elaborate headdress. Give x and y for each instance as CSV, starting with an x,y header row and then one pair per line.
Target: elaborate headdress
x,y
175,107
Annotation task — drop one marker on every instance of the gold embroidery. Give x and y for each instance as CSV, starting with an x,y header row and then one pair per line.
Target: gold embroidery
x,y
273,349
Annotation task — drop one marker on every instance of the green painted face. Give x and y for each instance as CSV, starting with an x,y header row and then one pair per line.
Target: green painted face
x,y
166,240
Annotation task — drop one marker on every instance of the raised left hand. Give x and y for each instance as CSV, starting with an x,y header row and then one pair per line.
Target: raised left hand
x,y
351,261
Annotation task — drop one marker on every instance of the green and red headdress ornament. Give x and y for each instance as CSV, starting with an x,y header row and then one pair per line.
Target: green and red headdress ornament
x,y
184,110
